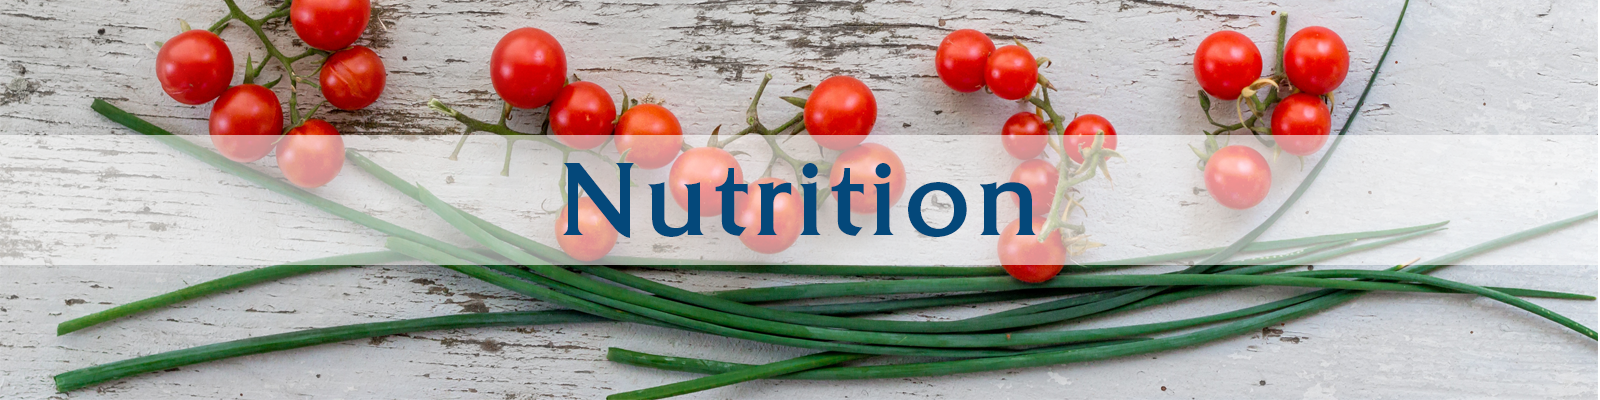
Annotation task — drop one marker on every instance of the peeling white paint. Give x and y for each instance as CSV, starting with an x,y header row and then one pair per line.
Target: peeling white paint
x,y
1459,67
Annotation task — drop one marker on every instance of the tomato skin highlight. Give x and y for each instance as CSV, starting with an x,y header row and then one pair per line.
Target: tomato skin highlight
x,y
863,163
329,24
650,135
1024,258
581,115
245,122
840,112
1238,177
1080,133
528,67
194,67
1316,60
1225,63
352,79
598,235
787,212
961,59
312,154
1301,123
1024,135
1041,178
1011,72
707,166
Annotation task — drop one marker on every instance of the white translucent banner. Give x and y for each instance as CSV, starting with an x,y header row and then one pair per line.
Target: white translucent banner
x,y
130,200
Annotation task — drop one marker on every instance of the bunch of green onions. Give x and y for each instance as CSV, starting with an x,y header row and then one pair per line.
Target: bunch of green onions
x,y
595,293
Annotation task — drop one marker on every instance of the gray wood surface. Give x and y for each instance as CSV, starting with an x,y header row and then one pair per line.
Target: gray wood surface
x,y
1499,99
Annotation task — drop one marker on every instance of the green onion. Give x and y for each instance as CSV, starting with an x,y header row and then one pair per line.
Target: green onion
x,y
80,378
785,367
1459,287
587,300
882,306
644,305
946,285
1323,300
230,282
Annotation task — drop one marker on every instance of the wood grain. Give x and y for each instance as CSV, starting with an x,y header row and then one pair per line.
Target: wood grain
x,y
93,221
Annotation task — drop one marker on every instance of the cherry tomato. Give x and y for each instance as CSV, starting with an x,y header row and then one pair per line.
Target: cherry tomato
x,y
1011,72
863,164
245,122
1226,63
1041,178
961,59
1316,60
650,135
1026,259
194,67
707,166
311,154
329,24
352,79
1079,135
840,112
1023,135
581,115
528,67
598,235
1238,177
786,218
1300,124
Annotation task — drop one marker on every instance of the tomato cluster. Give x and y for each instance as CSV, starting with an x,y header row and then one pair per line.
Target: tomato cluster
x,y
247,120
528,69
1228,66
967,61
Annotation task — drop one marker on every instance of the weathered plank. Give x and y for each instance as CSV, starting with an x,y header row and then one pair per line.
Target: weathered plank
x,y
73,207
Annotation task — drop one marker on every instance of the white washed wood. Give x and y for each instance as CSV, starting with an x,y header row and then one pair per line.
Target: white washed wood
x,y
1461,68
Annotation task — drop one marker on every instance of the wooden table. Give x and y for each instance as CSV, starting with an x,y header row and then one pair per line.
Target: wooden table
x,y
1485,116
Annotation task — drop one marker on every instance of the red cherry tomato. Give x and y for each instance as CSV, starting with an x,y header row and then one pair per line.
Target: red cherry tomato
x,y
528,67
961,59
1238,177
707,166
598,235
194,67
863,164
245,122
311,154
1041,178
352,79
1316,60
650,135
1028,260
1300,124
581,115
786,218
1023,135
840,112
329,24
1011,72
1079,135
1226,63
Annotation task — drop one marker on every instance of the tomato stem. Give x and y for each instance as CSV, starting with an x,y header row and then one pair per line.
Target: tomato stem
x,y
1070,173
510,135
282,11
1283,28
